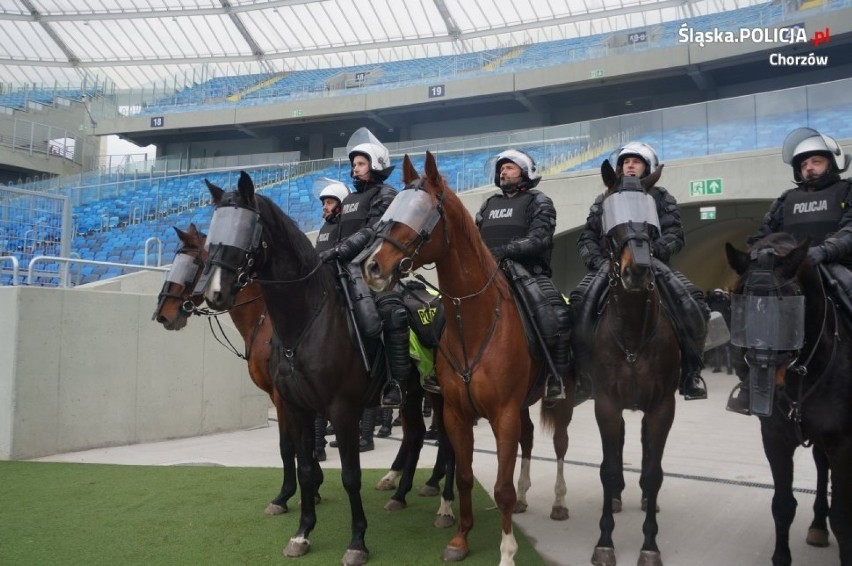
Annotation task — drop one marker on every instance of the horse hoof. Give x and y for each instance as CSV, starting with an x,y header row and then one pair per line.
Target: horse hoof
x,y
645,507
386,485
603,556
394,505
428,491
355,557
817,537
444,521
297,547
520,507
650,558
275,509
452,554
616,506
559,513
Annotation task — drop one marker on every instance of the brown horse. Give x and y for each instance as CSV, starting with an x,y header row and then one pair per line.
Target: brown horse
x,y
485,367
176,304
635,361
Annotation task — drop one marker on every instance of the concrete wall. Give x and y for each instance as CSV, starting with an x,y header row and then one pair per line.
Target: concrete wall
x,y
81,369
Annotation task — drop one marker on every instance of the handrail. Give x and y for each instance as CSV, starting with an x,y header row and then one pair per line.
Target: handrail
x,y
159,250
14,262
66,260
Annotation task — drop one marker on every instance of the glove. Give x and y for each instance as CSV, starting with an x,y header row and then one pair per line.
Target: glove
x,y
817,254
499,253
329,255
597,263
661,251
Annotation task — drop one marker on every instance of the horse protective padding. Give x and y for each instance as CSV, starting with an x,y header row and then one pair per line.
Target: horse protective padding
x,y
363,303
425,313
718,333
587,301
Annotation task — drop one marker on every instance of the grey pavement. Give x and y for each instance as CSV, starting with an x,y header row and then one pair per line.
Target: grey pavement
x,y
715,499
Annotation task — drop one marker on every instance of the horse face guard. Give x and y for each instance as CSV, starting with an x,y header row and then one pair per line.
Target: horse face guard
x,y
768,321
629,215
232,241
412,207
183,272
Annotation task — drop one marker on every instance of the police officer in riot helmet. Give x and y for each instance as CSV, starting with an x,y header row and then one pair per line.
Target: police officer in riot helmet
x,y
518,225
331,194
385,314
689,307
818,208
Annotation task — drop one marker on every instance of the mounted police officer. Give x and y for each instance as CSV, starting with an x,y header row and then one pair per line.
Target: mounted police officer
x,y
517,226
385,314
818,208
683,300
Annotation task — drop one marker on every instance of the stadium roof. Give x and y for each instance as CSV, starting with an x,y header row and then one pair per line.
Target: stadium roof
x,y
137,43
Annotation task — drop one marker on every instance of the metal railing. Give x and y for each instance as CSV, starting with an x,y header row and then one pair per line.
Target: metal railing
x,y
63,275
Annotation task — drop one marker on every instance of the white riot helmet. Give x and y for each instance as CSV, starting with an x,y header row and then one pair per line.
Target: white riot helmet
x,y
324,187
363,142
529,170
802,143
636,149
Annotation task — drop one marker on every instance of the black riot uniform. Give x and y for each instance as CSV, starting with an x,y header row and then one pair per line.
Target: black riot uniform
x,y
818,209
684,300
518,225
385,313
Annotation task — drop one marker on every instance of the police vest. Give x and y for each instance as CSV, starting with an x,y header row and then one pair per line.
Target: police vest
x,y
328,236
814,215
425,314
355,208
504,219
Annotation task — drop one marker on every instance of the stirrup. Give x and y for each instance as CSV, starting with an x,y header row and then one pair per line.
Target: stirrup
x,y
430,384
387,401
738,401
550,400
693,398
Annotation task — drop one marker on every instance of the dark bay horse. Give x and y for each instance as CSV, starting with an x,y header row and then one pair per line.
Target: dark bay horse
x,y
805,359
484,366
635,359
176,304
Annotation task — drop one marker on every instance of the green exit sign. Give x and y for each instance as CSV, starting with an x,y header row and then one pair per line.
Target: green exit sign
x,y
297,113
596,73
705,187
707,212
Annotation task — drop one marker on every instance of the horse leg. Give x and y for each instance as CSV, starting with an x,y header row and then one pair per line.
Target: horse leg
x,y
507,432
287,449
818,531
300,425
655,428
778,445
413,431
557,418
527,432
347,431
840,514
618,484
611,427
445,467
460,432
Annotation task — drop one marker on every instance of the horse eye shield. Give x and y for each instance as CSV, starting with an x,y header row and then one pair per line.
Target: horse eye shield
x,y
236,227
183,269
768,323
412,207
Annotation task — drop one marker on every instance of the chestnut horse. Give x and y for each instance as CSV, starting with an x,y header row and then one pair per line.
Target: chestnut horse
x,y
635,361
484,367
174,306
806,358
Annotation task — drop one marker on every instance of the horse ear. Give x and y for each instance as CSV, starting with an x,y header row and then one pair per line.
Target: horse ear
x,y
652,179
193,229
216,192
181,234
409,173
608,174
245,186
738,260
431,167
794,258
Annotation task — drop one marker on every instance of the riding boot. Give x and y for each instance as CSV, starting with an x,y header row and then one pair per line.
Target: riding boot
x,y
427,407
430,383
396,335
368,424
319,438
691,384
741,402
554,389
386,419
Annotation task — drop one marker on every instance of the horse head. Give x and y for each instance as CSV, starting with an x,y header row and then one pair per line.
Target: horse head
x,y
768,310
629,217
175,303
233,243
405,233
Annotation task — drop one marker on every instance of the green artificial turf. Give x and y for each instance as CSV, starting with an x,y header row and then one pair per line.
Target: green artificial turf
x,y
57,513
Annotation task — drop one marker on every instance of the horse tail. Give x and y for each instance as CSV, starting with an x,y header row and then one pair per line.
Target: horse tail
x,y
554,414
